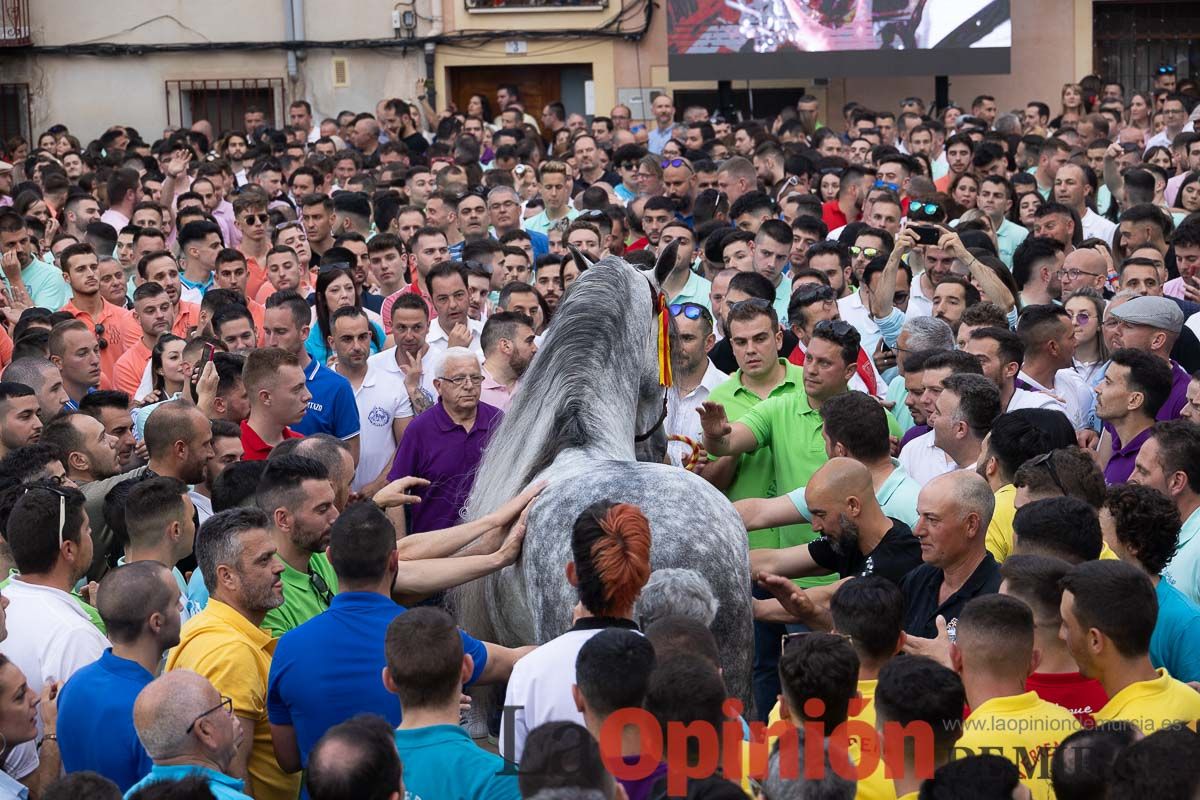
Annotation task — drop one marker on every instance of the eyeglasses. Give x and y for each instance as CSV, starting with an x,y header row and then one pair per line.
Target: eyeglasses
x,y
869,252
1075,274
836,327
689,310
264,218
100,340
1082,318
321,588
813,293
674,162
226,703
882,184
1047,460
464,380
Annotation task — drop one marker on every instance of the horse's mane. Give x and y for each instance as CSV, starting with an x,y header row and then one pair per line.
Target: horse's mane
x,y
588,364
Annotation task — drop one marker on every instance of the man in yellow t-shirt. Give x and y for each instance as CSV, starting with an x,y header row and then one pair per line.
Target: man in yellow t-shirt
x,y
993,654
1109,609
226,643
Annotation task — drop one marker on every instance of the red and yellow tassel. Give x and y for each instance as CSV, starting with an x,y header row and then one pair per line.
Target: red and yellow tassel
x,y
664,340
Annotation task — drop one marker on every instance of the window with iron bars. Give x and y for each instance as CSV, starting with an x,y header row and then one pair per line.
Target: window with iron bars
x,y
1133,38
224,102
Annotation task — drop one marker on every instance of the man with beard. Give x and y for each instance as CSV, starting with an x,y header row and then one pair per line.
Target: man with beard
x,y
508,348
46,381
227,449
679,185
154,315
694,377
32,282
410,358
111,407
384,409
226,644
856,539
19,421
591,170
296,494
88,452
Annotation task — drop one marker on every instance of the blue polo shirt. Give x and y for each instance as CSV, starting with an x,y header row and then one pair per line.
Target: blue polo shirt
x,y
1175,643
441,761
95,720
222,786
341,651
332,408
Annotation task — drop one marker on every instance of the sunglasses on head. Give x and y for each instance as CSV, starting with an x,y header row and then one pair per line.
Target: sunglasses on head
x,y
1047,460
813,292
673,162
882,184
924,208
837,327
1166,69
334,265
689,310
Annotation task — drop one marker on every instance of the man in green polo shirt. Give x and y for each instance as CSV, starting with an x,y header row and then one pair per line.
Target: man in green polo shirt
x,y
791,423
755,336
297,495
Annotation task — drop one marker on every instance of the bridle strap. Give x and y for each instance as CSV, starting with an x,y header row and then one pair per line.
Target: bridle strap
x,y
661,419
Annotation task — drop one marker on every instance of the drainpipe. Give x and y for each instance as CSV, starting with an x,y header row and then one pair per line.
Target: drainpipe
x,y
298,25
289,34
435,29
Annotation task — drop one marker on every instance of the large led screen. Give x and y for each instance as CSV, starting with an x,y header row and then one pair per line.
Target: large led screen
x,y
744,39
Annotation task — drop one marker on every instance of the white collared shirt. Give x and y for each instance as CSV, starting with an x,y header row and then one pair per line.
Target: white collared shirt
x,y
682,419
50,638
439,341
1023,398
1097,227
381,399
386,362
1072,391
923,460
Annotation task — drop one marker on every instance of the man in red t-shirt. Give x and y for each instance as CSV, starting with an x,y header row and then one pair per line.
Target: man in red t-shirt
x,y
1035,581
848,205
278,397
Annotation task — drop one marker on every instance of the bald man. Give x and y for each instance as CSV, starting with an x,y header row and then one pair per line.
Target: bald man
x,y
857,539
188,729
1084,268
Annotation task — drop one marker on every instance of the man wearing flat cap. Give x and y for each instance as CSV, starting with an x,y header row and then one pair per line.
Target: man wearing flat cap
x,y
1152,324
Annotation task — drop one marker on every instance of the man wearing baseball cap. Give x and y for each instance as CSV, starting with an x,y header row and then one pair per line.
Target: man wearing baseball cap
x,y
1153,324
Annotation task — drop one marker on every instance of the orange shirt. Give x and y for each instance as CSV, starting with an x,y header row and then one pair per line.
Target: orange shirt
x,y
6,347
187,317
942,184
257,276
130,368
258,313
266,290
120,331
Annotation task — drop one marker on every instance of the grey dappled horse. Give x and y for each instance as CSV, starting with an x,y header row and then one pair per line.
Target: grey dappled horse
x,y
591,390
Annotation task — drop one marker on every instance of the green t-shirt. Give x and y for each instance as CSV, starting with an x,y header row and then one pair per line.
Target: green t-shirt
x,y
756,471
301,601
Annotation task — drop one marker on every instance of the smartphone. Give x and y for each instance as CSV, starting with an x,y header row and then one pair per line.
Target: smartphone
x,y
204,359
927,234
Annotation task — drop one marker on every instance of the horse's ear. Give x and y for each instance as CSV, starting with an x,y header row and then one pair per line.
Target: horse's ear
x,y
581,261
665,262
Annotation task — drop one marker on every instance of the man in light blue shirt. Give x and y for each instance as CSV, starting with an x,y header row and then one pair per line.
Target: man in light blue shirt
x,y
189,730
43,283
995,200
664,114
682,284
1169,461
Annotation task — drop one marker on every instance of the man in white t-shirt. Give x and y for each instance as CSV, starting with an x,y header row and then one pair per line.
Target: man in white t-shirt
x,y
51,633
1048,367
384,409
1000,353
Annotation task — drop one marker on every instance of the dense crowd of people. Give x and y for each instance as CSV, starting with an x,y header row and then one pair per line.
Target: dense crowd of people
x,y
939,360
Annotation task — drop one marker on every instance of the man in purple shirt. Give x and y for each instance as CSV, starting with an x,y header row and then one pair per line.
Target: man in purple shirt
x,y
445,443
1152,325
1135,386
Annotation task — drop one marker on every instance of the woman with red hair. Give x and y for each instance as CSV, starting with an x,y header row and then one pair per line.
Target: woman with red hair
x,y
610,547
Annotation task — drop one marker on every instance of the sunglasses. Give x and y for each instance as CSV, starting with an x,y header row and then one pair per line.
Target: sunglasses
x,y
812,293
1082,318
881,184
264,218
62,506
837,327
869,252
899,297
627,165
689,310
673,162
1166,69
924,208
323,592
335,265
100,340
753,302
1047,460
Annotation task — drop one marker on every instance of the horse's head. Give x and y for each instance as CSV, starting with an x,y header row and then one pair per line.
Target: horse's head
x,y
651,410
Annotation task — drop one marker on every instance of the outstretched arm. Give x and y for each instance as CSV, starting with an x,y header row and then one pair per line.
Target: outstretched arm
x,y
722,438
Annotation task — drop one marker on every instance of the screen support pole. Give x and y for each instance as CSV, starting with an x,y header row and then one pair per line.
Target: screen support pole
x,y
725,99
941,91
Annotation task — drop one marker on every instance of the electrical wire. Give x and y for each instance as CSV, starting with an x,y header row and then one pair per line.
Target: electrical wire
x,y
611,29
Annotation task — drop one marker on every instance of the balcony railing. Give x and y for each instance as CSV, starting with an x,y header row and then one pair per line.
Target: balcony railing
x,y
510,6
14,23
